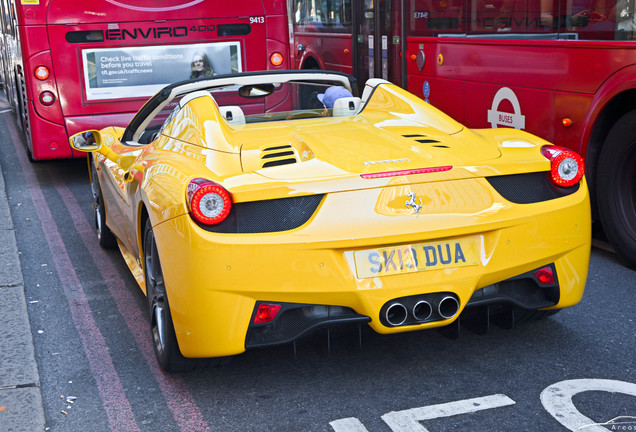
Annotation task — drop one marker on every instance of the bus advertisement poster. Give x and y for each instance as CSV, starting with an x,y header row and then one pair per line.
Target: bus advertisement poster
x,y
117,73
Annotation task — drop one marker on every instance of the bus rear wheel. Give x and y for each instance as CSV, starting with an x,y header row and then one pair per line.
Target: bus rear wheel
x,y
616,188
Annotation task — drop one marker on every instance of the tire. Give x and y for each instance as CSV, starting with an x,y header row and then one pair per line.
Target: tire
x,y
105,236
164,339
22,115
616,188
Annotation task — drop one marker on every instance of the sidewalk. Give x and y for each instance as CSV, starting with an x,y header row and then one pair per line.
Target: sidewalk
x,y
21,406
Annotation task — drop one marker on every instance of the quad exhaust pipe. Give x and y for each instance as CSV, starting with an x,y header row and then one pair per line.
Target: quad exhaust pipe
x,y
448,307
422,310
396,314
418,309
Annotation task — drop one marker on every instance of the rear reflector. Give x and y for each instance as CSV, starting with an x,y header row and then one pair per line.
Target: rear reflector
x,y
406,172
266,313
545,275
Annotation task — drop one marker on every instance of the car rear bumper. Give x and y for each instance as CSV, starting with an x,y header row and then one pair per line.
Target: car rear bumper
x,y
214,281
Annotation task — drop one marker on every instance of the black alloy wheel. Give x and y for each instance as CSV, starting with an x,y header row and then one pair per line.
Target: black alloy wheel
x,y
161,327
105,236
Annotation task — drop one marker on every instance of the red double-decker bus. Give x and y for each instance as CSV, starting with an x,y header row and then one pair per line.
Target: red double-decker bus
x,y
69,65
562,69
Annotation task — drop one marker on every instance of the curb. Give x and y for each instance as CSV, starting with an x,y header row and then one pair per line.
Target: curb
x,y
21,407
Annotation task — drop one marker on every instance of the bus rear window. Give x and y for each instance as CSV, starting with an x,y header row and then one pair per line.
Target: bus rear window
x,y
523,19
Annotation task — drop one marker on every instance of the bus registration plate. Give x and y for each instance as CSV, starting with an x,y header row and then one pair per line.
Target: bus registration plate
x,y
418,257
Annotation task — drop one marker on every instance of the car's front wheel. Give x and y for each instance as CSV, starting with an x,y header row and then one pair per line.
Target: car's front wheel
x,y
105,236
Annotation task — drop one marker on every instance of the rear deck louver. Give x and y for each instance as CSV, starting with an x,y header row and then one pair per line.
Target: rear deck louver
x,y
422,139
279,155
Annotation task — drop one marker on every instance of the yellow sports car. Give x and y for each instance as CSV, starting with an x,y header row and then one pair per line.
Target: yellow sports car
x,y
256,208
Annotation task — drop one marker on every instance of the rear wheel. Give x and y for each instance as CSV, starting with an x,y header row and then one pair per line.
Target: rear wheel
x,y
105,236
161,327
22,114
616,188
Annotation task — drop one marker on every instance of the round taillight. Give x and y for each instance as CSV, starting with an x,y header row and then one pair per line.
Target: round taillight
x,y
42,73
276,59
209,202
567,167
47,98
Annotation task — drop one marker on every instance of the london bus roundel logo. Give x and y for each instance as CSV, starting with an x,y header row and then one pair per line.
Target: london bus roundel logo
x,y
499,118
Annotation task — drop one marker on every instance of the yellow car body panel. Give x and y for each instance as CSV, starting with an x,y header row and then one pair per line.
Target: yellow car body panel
x,y
314,264
214,280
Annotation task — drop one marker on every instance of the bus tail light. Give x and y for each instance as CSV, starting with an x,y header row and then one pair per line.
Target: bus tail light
x,y
42,73
276,59
209,202
47,98
567,167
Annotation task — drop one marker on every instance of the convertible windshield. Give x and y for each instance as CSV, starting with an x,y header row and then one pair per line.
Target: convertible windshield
x,y
286,101
252,98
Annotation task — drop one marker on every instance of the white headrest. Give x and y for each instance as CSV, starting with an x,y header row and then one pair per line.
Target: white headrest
x,y
233,114
346,106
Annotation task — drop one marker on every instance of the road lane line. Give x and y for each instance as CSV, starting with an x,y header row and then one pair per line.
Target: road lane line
x,y
178,398
116,405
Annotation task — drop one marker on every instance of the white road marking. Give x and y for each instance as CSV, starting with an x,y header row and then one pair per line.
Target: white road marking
x,y
350,424
557,400
409,420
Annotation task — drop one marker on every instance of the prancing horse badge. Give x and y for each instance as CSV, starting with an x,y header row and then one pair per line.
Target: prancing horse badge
x,y
415,207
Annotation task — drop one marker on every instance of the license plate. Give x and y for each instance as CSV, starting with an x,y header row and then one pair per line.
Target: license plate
x,y
418,257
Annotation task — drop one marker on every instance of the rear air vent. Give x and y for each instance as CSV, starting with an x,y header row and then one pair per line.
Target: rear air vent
x,y
275,215
422,139
528,188
279,155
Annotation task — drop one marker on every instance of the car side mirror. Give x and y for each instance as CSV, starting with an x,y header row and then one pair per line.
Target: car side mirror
x,y
87,141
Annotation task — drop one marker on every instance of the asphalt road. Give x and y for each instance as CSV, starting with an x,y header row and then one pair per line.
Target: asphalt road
x,y
98,371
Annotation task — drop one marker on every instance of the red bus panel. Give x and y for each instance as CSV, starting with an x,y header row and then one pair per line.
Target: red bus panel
x,y
103,59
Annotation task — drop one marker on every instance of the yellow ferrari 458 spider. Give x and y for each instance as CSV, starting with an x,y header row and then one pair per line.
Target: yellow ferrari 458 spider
x,y
256,208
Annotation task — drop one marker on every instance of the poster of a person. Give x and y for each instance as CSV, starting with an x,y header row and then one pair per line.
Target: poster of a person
x,y
200,66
